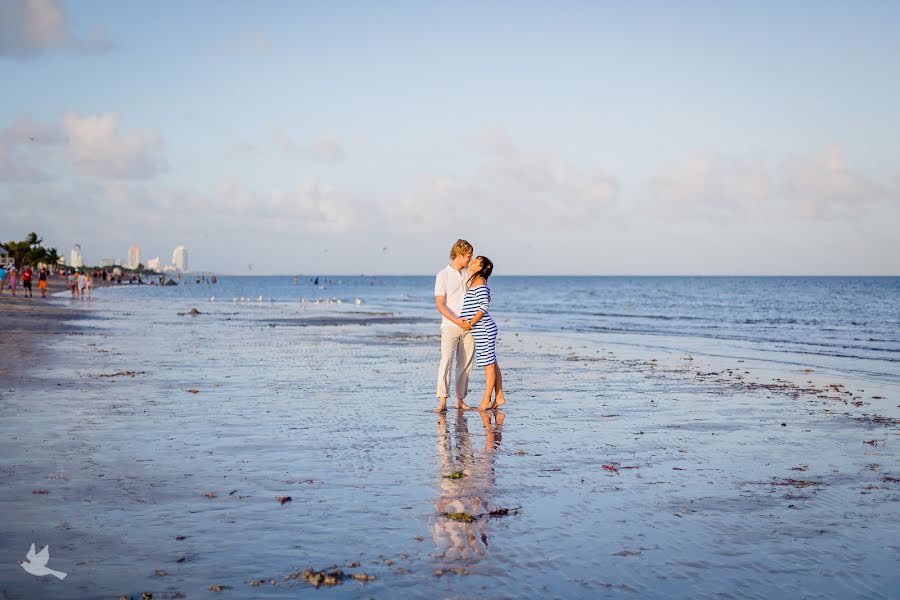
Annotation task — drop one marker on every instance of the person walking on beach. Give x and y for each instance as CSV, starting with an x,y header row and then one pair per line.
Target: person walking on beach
x,y
42,282
449,291
2,279
88,284
27,276
82,284
13,280
484,331
73,282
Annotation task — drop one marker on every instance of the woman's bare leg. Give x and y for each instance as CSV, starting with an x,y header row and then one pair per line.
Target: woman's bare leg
x,y
499,398
488,387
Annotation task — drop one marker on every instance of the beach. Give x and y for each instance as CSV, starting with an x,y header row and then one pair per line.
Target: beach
x,y
227,452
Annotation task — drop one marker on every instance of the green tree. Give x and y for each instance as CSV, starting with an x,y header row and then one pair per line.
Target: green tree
x,y
29,251
52,257
33,240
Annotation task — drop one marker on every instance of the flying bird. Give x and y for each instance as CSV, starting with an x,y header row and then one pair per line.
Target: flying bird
x,y
37,563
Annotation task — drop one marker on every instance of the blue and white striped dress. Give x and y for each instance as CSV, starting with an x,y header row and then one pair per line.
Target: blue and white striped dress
x,y
485,330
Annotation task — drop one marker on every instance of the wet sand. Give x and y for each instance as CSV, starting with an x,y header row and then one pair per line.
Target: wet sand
x,y
149,451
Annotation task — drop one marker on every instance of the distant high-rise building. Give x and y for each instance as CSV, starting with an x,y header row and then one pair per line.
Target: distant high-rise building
x,y
134,257
180,258
75,260
153,264
107,262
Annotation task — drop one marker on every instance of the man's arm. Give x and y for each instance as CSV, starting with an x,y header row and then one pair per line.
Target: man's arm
x,y
440,302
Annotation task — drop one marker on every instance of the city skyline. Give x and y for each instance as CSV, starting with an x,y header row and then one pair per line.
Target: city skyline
x,y
577,138
75,258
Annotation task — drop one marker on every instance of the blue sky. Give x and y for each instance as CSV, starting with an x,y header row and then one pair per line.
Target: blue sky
x,y
577,137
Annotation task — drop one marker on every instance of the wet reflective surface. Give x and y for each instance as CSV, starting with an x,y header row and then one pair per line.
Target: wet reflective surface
x,y
637,471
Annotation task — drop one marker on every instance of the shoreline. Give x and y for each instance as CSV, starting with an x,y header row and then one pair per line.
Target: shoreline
x,y
28,327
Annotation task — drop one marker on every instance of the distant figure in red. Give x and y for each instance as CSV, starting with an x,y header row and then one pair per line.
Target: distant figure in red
x,y
27,275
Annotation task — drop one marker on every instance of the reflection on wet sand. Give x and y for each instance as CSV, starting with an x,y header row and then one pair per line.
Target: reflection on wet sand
x,y
466,483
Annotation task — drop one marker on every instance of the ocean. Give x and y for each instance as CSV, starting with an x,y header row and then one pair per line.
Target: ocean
x,y
846,324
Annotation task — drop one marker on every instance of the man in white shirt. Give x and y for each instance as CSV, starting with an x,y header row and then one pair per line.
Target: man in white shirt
x,y
449,292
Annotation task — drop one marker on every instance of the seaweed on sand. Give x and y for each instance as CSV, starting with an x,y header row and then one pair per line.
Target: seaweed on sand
x,y
460,516
497,512
317,578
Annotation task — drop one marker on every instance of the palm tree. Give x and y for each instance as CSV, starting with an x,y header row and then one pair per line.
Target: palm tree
x,y
33,240
29,251
52,258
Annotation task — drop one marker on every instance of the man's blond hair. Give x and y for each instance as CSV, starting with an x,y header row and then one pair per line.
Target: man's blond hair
x,y
460,248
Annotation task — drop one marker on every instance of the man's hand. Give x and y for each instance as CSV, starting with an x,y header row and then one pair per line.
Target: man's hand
x,y
465,325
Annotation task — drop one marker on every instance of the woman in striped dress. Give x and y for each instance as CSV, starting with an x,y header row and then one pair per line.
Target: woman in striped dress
x,y
484,330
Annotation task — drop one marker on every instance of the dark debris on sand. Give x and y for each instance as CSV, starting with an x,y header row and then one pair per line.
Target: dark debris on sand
x,y
328,577
122,374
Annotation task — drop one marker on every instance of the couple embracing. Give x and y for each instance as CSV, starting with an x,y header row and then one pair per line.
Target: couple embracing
x,y
468,332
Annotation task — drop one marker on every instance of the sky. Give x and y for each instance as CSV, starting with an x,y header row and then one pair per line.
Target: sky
x,y
649,138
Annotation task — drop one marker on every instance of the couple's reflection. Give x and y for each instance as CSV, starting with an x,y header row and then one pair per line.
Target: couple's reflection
x,y
470,493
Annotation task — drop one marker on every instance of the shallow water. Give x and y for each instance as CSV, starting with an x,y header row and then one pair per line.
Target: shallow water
x,y
722,487
850,324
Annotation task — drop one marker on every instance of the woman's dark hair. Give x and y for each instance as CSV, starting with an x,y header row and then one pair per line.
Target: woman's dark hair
x,y
487,267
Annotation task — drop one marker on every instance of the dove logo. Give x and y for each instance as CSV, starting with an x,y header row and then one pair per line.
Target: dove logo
x,y
37,563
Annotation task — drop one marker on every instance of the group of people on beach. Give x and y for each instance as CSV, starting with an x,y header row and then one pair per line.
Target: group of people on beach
x,y
26,277
468,332
80,284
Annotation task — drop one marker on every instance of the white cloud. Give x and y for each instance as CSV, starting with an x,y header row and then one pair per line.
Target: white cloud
x,y
26,131
823,185
13,168
309,206
245,149
724,187
542,184
28,27
27,150
712,186
97,148
327,149
306,202
511,185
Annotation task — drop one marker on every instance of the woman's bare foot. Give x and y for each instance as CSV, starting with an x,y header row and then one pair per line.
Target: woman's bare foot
x,y
499,401
485,404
